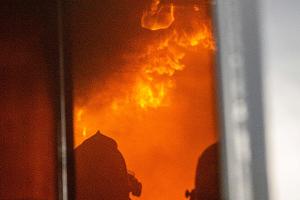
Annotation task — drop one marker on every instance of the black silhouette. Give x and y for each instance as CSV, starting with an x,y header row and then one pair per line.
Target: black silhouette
x,y
207,176
101,172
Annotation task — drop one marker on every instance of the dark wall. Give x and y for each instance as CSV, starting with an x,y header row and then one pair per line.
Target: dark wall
x,y
28,101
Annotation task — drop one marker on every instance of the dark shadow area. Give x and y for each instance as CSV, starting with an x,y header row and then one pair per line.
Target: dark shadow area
x,y
101,171
29,100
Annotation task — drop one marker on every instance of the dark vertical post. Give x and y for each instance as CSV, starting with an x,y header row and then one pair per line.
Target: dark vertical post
x,y
65,147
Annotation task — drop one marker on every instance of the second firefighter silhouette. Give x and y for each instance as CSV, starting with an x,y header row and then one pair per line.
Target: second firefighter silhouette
x,y
101,172
207,176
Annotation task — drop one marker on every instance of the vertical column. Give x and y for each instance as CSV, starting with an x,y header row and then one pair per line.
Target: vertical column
x,y
65,139
241,100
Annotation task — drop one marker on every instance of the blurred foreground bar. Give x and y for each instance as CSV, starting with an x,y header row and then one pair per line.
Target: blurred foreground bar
x,y
30,122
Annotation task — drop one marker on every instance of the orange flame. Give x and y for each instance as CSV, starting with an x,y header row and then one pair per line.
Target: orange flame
x,y
164,58
161,59
158,16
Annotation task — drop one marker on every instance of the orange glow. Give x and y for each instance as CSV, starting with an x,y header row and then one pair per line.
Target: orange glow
x,y
161,101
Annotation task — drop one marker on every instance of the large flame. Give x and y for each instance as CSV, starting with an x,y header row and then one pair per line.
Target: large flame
x,y
164,58
175,32
160,60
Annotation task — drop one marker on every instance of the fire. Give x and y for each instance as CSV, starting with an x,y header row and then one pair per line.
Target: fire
x,y
160,59
159,100
79,115
79,112
164,58
158,16
147,97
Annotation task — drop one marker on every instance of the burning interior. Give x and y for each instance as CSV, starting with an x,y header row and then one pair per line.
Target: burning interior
x,y
143,75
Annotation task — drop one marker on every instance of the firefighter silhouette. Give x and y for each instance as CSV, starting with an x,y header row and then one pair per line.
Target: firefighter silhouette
x,y
207,176
101,172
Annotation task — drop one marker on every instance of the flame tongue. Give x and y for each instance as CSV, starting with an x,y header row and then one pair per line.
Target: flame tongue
x,y
158,16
